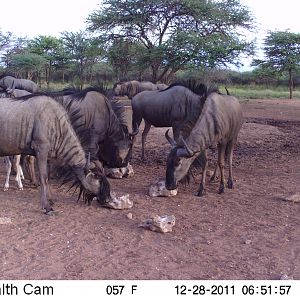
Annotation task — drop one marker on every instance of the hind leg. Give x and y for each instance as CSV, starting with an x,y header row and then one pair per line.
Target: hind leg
x,y
221,164
144,136
19,175
8,171
229,150
202,191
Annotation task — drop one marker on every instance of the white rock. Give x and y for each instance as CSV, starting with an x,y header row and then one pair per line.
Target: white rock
x,y
292,197
159,223
158,189
5,220
122,202
119,172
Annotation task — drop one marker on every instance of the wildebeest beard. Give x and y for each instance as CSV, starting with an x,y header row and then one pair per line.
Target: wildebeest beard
x,y
68,177
103,195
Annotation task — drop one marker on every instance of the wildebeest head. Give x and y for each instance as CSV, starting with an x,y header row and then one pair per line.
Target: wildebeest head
x,y
116,153
179,161
98,187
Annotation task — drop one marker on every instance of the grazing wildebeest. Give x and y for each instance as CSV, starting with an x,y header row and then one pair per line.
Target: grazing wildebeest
x,y
132,88
219,124
107,134
10,83
39,126
177,105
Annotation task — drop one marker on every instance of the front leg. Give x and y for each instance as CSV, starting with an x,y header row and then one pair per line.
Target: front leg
x,y
41,152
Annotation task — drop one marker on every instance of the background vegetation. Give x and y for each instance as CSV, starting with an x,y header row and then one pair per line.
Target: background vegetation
x,y
161,41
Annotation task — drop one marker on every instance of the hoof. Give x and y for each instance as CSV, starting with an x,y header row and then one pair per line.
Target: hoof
x,y
230,184
213,178
49,211
201,193
221,190
5,189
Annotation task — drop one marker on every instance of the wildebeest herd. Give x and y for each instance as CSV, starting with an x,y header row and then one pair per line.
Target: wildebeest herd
x,y
82,131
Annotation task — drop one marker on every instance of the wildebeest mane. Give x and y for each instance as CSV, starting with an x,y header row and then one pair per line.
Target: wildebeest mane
x,y
120,112
7,74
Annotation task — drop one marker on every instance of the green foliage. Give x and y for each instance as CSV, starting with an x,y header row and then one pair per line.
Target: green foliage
x,y
27,63
174,33
282,54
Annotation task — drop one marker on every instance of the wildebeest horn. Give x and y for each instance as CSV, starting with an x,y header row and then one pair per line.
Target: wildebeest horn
x,y
88,161
186,151
134,133
169,139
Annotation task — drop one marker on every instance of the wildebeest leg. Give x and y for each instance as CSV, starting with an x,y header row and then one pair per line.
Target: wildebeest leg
x,y
8,171
144,136
202,191
229,151
41,160
214,175
30,161
19,175
221,164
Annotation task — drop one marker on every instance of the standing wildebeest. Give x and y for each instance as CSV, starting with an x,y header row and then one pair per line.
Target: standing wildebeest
x,y
10,83
132,88
39,126
107,135
173,107
16,159
219,124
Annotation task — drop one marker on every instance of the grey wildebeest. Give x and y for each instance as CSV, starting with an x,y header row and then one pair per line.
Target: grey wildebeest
x,y
107,135
10,83
8,160
39,126
132,88
218,124
173,107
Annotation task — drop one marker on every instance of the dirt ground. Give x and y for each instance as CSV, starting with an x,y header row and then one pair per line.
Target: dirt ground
x,y
247,233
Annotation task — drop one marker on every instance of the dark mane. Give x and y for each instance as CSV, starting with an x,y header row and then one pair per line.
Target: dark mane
x,y
78,95
120,112
7,74
196,87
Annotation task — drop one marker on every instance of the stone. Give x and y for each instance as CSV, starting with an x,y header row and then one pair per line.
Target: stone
x,y
159,223
158,189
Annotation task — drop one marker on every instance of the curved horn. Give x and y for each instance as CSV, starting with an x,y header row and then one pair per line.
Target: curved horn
x,y
134,133
88,161
186,151
169,139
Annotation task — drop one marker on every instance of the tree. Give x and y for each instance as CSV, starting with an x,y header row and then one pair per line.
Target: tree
x,y
82,49
174,33
51,49
5,39
282,54
27,63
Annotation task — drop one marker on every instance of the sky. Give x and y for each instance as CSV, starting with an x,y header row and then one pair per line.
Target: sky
x,y
30,18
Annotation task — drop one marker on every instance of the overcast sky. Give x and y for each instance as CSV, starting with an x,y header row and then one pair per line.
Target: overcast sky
x,y
30,18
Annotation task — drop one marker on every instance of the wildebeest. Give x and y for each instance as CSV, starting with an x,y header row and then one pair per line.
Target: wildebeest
x,y
218,124
132,88
17,158
39,126
107,134
177,105
10,83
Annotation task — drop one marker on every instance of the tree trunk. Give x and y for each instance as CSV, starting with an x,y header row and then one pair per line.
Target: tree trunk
x,y
291,83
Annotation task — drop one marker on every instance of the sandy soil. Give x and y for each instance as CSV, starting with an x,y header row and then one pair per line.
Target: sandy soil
x,y
247,233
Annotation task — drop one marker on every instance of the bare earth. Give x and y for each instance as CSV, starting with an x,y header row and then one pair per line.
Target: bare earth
x,y
247,233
